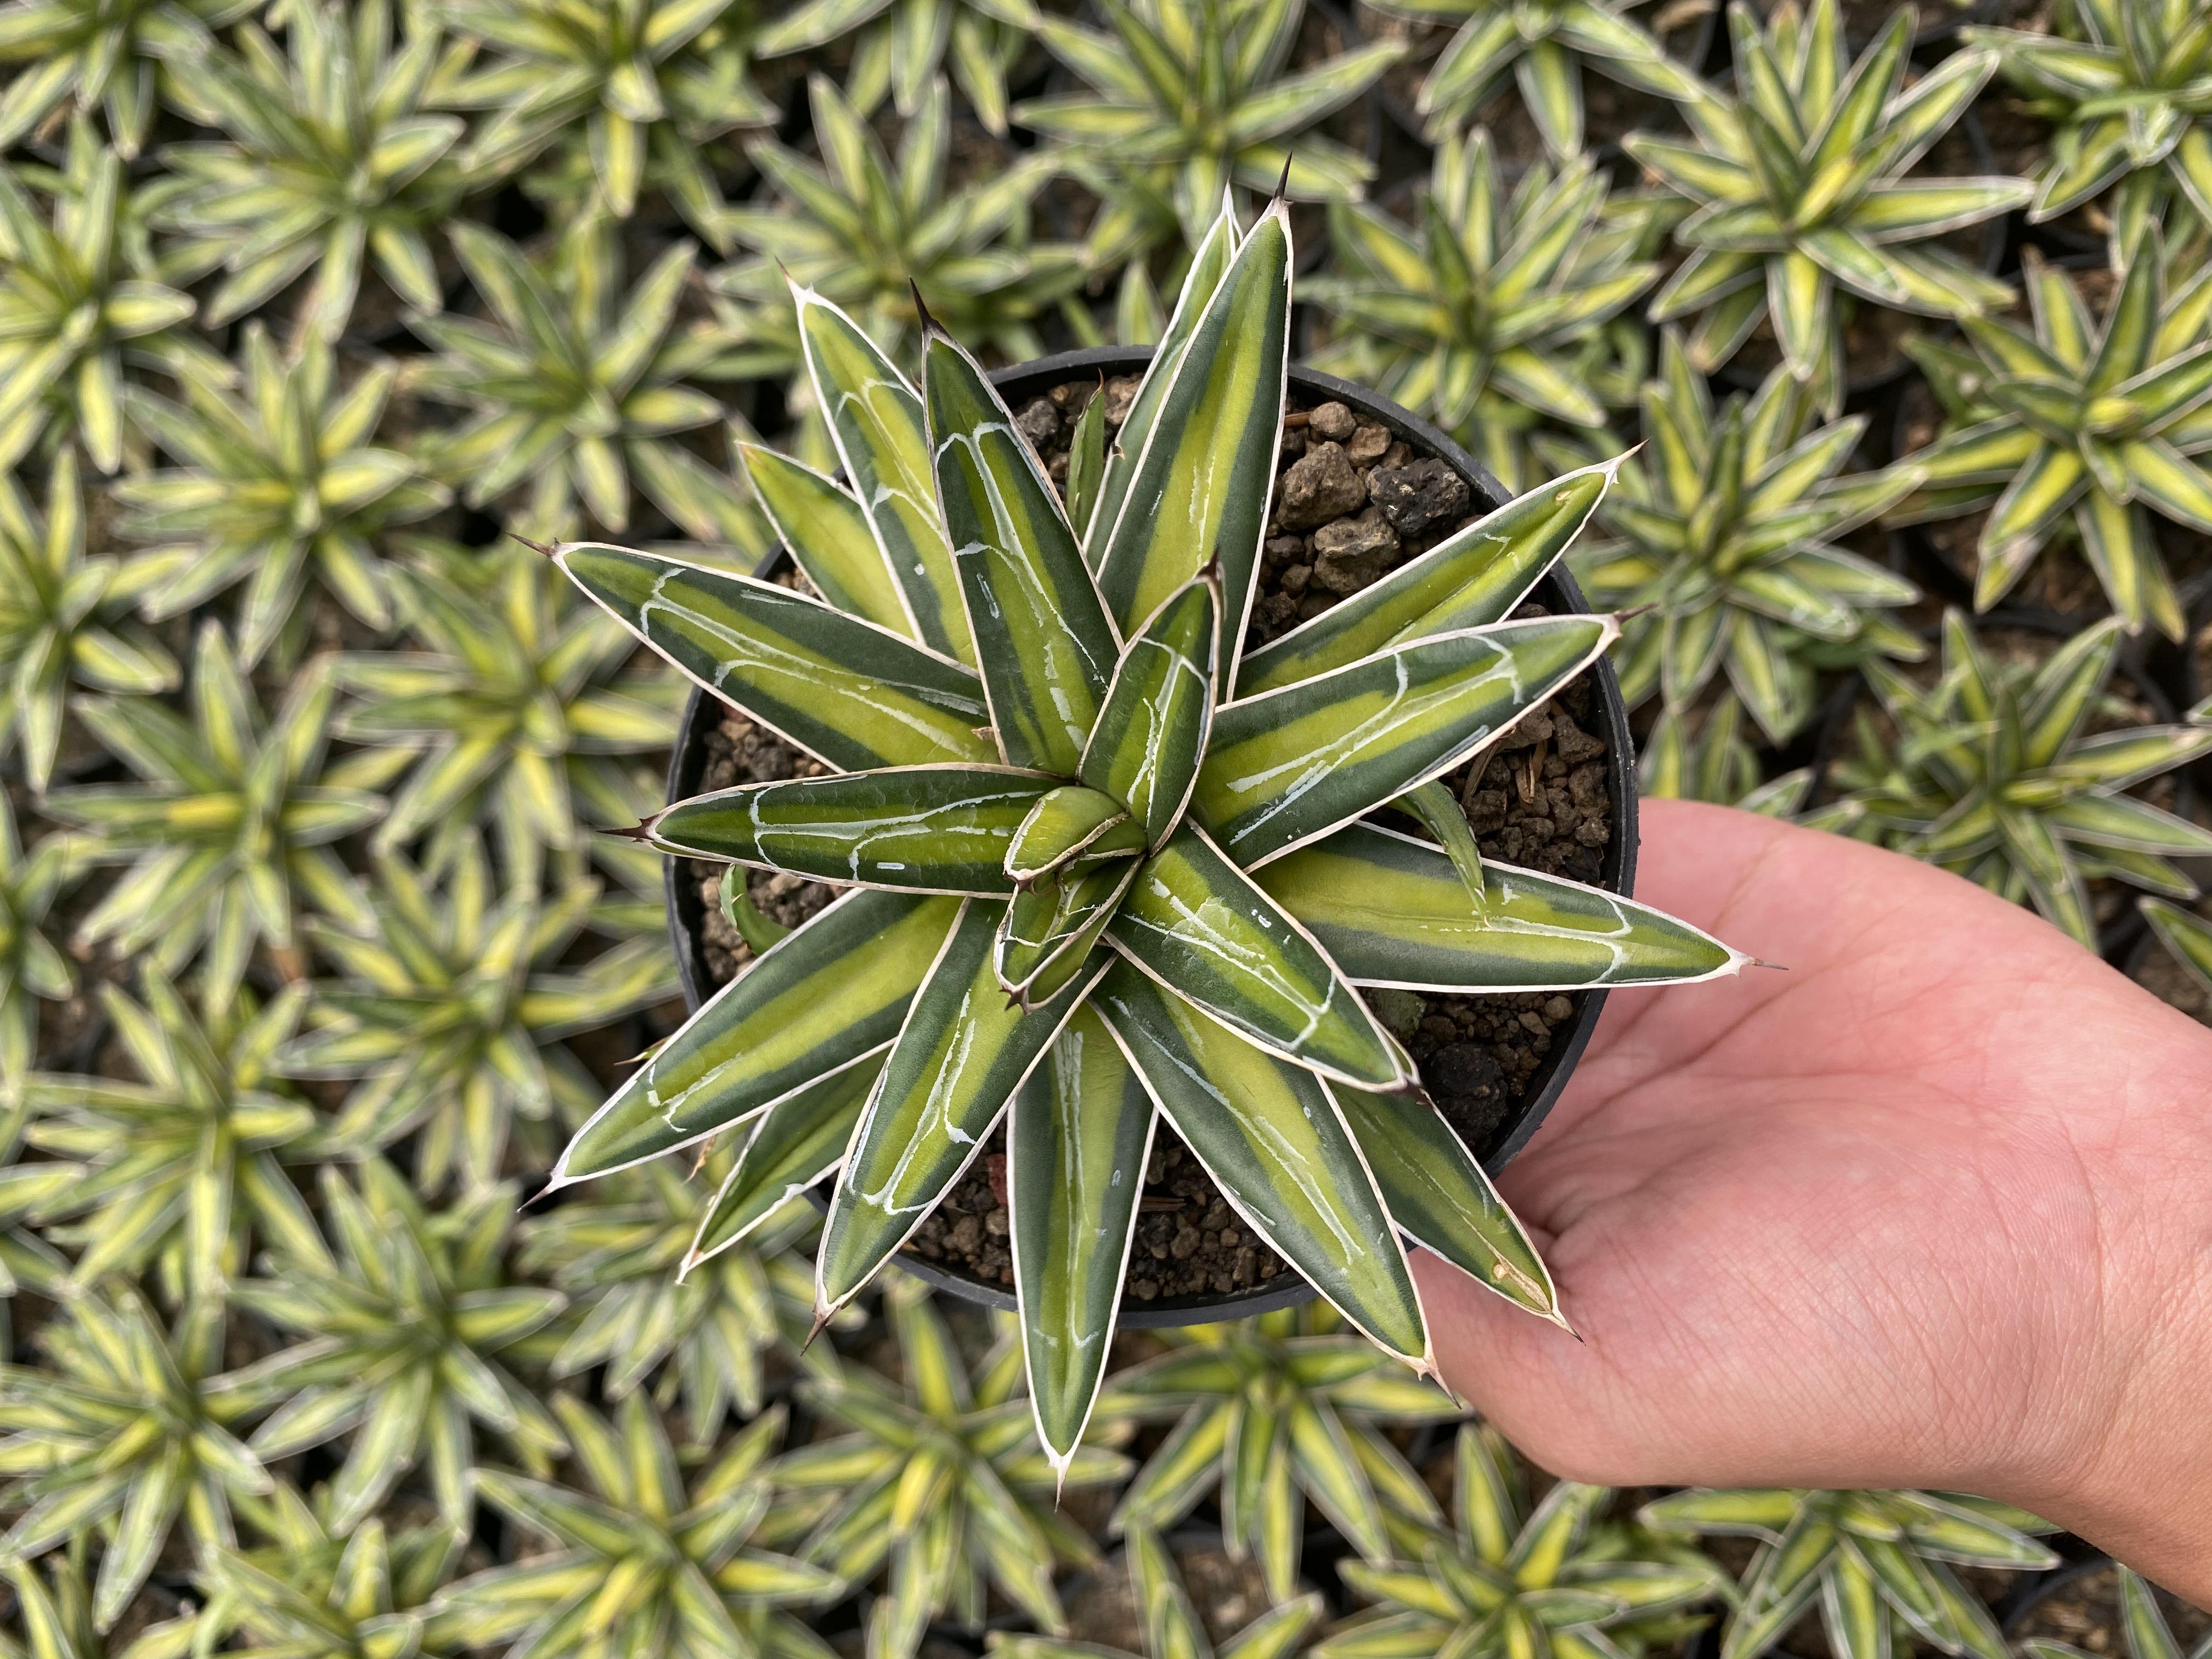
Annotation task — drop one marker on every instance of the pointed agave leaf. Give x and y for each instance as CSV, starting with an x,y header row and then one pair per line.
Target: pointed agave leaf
x,y
1076,1150
1902,209
1760,1512
2148,1634
1051,925
1199,490
2185,933
1852,1605
1208,266
2124,823
1197,924
1145,750
1434,808
1067,823
1800,296
829,536
1391,910
876,421
1287,766
1270,1138
1042,639
1277,1633
2065,690
2053,876
1172,1630
1979,1532
1439,1195
796,1142
1086,462
919,829
831,993
788,661
960,1056
1766,1615
1469,580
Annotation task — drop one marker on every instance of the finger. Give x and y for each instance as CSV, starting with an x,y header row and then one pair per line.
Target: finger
x,y
1549,1392
1862,940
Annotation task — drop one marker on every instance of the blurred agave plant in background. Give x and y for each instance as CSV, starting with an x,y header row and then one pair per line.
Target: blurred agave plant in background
x,y
57,626
450,1009
1993,772
1508,1575
876,232
1547,45
1725,526
2102,421
945,1477
1188,98
1874,1562
639,86
576,386
274,485
332,166
175,1173
227,832
1308,1399
904,44
2129,104
511,708
399,1328
88,54
78,295
126,1424
1800,190
1488,316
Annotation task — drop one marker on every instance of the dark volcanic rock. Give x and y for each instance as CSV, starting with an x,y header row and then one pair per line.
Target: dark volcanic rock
x,y
1418,494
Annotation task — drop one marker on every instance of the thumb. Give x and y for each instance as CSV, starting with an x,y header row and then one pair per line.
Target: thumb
x,y
1556,1396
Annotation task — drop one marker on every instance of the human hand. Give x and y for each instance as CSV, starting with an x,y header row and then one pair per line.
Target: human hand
x,y
1931,1208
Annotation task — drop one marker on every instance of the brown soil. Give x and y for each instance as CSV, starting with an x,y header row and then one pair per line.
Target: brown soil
x,y
2019,139
1354,503
738,751
2059,578
2172,984
1226,1594
2085,1612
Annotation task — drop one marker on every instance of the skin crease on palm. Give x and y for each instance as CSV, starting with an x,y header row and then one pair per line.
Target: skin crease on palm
x,y
1930,1207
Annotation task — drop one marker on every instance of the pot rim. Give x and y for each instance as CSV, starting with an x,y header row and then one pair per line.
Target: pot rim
x,y
1017,383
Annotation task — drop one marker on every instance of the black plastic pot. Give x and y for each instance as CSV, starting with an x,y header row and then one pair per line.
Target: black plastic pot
x,y
1557,593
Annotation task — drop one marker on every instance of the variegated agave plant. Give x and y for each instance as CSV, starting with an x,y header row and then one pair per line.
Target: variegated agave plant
x,y
1799,188
1110,865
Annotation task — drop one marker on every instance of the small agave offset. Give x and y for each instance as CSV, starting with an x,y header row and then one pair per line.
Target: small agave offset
x,y
1111,869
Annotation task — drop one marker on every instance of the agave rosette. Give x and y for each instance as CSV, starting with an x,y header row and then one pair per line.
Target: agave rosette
x,y
1108,865
1802,190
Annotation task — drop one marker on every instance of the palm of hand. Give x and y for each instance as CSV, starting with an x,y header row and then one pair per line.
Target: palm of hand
x,y
1880,1219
